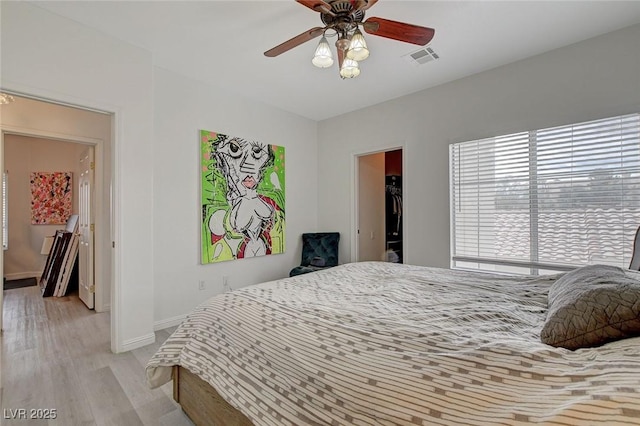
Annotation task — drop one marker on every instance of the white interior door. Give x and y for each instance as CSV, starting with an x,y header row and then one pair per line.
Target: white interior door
x,y
86,288
371,235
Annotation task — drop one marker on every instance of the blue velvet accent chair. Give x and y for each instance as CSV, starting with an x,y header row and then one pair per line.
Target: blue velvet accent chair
x,y
319,251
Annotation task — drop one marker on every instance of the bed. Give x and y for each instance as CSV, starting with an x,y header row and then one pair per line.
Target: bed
x,y
391,344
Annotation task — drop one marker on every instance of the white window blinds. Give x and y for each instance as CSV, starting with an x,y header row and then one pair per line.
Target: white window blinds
x,y
547,200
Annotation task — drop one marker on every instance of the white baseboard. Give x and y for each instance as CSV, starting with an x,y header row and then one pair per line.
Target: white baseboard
x,y
105,308
21,275
138,342
169,322
147,339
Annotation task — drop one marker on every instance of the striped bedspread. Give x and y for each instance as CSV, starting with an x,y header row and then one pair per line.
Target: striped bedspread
x,y
391,344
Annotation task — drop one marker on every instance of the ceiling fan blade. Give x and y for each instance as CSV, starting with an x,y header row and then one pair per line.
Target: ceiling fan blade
x,y
317,5
399,31
295,41
364,4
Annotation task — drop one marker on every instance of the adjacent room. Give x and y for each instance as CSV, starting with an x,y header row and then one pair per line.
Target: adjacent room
x,y
320,212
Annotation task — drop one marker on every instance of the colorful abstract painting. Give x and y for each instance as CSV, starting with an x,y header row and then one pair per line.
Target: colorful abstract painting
x,y
51,198
243,198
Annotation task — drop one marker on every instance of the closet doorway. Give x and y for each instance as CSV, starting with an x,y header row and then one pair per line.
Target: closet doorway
x,y
379,206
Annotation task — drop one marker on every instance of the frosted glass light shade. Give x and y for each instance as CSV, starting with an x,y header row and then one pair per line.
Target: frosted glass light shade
x,y
350,68
323,57
358,47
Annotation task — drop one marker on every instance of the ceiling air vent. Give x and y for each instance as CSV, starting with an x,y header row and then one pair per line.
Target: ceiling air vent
x,y
422,56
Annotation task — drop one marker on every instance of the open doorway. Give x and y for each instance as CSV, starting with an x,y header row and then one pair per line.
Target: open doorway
x,y
77,129
379,206
29,163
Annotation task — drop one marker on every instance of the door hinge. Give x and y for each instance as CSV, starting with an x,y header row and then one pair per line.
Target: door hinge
x,y
92,165
92,227
113,244
92,289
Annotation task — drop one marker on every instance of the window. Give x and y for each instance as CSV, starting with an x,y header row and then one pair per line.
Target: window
x,y
547,200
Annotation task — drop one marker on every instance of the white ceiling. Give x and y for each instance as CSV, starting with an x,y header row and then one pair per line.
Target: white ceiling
x,y
222,43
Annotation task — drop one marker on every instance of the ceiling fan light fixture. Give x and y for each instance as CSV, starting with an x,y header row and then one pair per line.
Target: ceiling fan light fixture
x,y
344,19
357,47
323,58
349,69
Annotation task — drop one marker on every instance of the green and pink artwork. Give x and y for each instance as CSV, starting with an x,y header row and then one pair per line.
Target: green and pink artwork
x,y
243,198
51,197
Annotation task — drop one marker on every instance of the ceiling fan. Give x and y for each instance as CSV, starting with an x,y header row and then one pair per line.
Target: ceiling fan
x,y
343,18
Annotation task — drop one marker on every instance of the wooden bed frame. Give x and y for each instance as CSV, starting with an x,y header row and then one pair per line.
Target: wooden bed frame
x,y
202,403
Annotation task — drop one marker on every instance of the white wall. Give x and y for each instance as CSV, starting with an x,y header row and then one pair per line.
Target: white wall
x,y
22,156
589,80
183,107
51,57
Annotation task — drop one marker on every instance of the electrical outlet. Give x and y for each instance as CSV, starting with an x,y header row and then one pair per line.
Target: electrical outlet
x,y
201,285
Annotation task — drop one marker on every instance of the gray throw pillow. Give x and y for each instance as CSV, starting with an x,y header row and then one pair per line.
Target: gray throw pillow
x,y
591,306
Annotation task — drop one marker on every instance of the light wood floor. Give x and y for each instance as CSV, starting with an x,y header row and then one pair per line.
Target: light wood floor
x,y
56,355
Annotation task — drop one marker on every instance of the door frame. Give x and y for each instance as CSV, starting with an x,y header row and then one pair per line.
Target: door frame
x,y
355,184
104,217
98,146
108,220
